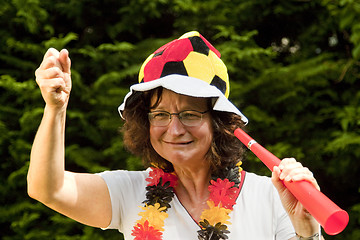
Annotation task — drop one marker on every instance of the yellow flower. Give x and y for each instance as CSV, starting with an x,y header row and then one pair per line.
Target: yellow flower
x,y
154,215
238,165
216,214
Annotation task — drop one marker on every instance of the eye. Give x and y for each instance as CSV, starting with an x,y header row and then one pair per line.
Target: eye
x,y
190,115
160,115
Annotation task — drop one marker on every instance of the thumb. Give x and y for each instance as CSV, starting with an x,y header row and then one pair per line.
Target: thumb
x,y
275,178
65,60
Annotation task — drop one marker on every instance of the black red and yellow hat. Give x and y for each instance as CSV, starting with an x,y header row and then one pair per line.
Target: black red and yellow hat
x,y
190,66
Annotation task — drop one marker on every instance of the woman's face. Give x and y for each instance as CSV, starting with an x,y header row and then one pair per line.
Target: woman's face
x,y
179,144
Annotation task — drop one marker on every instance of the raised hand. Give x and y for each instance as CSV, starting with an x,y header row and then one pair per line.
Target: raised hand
x,y
54,78
291,170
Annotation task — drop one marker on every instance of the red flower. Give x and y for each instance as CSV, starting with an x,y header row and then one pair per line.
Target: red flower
x,y
146,232
222,192
156,173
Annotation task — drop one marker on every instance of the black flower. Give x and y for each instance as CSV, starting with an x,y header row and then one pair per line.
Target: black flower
x,y
209,232
230,172
162,194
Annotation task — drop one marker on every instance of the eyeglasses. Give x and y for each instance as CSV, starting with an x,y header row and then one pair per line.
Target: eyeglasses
x,y
190,118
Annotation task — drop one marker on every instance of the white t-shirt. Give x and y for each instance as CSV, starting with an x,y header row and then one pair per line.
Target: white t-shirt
x,y
258,213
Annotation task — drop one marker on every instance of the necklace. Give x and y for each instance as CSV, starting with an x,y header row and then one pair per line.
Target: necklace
x,y
223,190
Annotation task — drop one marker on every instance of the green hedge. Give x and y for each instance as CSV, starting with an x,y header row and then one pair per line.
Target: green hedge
x,y
294,70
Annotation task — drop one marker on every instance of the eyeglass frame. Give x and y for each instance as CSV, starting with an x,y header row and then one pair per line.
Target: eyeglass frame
x,y
151,117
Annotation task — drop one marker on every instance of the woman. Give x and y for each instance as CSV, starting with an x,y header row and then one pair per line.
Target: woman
x,y
179,120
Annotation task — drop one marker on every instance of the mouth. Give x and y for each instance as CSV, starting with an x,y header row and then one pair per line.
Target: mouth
x,y
179,143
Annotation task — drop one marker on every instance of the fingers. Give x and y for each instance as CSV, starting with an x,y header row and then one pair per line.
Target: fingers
x,y
53,72
53,77
290,170
65,61
54,64
54,58
56,83
288,166
51,52
51,59
275,178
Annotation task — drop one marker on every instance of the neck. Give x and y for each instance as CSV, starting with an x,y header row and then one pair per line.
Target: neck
x,y
195,179
192,189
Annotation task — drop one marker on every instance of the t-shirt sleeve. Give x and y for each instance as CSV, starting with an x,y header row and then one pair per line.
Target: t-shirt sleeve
x,y
126,189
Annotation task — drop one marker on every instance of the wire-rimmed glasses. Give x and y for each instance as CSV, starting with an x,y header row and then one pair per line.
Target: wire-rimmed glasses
x,y
190,118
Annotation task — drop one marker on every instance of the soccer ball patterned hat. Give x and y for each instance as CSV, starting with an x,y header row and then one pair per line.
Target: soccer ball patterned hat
x,y
190,66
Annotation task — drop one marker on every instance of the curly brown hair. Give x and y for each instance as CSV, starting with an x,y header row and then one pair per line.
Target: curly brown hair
x,y
226,150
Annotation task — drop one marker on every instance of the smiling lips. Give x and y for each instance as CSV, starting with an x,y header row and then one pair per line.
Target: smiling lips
x,y
179,143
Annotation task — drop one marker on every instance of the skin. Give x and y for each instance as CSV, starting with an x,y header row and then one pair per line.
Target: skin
x,y
290,170
185,147
85,197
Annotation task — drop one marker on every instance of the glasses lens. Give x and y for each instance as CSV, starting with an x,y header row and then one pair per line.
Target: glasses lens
x,y
190,118
159,118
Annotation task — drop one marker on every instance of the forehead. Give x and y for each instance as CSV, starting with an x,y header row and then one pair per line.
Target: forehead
x,y
171,100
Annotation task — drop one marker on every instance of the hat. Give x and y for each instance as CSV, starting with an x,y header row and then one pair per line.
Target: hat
x,y
190,66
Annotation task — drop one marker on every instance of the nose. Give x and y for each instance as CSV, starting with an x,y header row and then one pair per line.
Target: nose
x,y
175,126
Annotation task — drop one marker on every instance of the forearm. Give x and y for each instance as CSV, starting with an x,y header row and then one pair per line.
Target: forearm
x,y
46,170
305,227
83,197
289,169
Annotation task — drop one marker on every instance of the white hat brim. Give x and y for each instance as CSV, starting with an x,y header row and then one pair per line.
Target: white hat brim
x,y
189,86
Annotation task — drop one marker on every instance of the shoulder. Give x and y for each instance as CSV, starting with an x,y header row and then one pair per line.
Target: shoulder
x,y
255,180
127,190
256,186
125,178
124,174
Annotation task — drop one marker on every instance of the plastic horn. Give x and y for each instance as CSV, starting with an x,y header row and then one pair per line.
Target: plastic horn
x,y
332,218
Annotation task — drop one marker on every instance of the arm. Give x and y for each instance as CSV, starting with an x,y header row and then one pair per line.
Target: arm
x,y
83,197
290,170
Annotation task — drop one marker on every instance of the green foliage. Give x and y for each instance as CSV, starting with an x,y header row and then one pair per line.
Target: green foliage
x,y
294,69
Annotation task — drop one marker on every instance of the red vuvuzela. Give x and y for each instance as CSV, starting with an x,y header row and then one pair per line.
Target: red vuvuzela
x,y
331,217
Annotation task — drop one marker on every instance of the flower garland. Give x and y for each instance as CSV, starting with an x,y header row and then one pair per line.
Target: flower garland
x,y
160,192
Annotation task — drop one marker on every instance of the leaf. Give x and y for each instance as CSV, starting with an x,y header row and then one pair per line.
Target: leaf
x,y
356,52
342,140
61,41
